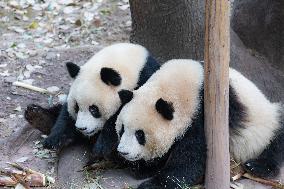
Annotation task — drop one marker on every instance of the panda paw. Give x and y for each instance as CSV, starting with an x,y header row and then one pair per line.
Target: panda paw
x,y
40,118
263,168
57,142
52,142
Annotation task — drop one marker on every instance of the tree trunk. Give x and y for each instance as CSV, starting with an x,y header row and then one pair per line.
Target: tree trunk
x,y
216,94
169,28
175,29
260,25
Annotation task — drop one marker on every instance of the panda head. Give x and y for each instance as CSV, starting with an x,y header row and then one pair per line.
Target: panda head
x,y
160,111
93,96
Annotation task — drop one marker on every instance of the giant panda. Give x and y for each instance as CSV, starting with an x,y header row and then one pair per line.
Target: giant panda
x,y
164,118
93,97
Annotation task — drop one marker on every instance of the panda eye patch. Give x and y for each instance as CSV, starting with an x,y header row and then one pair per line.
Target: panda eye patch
x,y
140,135
121,130
94,110
76,108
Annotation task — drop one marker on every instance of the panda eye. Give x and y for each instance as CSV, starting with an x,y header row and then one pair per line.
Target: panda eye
x,y
121,131
94,110
76,108
140,137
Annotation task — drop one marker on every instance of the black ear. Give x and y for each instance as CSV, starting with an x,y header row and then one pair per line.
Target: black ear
x,y
110,76
165,108
73,69
125,96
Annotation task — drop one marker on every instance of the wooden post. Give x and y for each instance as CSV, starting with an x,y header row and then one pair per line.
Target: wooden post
x,y
216,94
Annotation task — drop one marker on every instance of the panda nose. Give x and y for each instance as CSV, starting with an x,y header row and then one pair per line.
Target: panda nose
x,y
124,153
82,129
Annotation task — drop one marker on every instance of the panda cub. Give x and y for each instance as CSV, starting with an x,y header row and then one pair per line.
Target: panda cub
x,y
165,119
93,97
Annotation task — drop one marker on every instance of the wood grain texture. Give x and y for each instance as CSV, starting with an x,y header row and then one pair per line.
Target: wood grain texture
x,y
216,95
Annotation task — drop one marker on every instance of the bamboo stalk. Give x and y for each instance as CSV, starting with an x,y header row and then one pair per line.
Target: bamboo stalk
x,y
7,181
17,166
25,176
31,87
273,183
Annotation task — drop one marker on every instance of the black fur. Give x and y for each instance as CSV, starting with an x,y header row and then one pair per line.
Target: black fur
x,y
268,163
265,168
73,69
107,140
187,158
149,68
42,118
121,131
185,162
237,112
142,169
63,132
110,76
140,135
76,108
165,108
125,96
105,146
94,110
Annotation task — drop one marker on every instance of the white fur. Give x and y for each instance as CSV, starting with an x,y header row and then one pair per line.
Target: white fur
x,y
177,81
85,118
88,88
134,150
261,123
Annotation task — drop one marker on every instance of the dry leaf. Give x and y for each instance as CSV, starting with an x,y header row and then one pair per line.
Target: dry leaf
x,y
53,89
78,23
5,73
3,65
18,109
33,25
16,29
97,22
22,159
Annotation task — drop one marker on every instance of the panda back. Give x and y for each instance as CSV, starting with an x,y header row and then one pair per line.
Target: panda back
x,y
260,122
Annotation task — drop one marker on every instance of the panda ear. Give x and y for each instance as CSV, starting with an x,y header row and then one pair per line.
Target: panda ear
x,y
165,108
125,96
110,76
73,69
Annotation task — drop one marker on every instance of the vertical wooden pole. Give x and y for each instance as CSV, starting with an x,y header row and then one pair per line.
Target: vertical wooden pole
x,y
216,94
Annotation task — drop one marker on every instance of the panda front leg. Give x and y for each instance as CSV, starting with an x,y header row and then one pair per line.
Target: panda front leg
x,y
186,163
268,163
41,118
63,132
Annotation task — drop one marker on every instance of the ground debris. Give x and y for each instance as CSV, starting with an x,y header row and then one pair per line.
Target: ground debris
x,y
237,172
30,87
42,25
24,176
43,153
